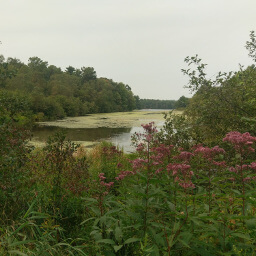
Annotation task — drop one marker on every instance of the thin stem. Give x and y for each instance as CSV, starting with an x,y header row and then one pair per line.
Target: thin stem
x,y
242,180
167,241
146,192
224,234
209,190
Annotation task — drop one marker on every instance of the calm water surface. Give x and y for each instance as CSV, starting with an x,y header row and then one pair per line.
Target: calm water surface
x,y
118,136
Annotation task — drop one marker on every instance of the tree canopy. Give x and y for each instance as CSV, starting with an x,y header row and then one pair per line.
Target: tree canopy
x,y
224,103
53,93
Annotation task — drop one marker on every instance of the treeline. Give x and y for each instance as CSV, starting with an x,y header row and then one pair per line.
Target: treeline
x,y
52,93
182,102
157,104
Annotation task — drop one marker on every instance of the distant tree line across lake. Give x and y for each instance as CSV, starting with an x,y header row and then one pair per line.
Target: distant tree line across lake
x,y
50,93
182,102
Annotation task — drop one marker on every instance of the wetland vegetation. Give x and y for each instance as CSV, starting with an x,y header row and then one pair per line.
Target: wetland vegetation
x,y
188,189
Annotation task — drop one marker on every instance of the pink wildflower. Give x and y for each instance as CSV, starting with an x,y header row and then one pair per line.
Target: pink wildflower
x,y
159,170
103,183
124,174
184,155
149,128
221,163
209,153
241,140
178,167
138,163
253,165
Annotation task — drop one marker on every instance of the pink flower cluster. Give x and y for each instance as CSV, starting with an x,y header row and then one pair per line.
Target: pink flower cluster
x,y
160,153
140,147
187,184
178,167
240,140
184,156
138,163
163,149
102,181
238,168
149,128
157,159
124,174
182,174
111,151
247,179
209,153
253,165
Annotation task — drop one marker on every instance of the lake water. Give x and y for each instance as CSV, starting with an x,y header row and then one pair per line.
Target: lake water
x,y
76,129
90,136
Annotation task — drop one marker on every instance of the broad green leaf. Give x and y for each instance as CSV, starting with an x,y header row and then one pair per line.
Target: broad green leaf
x,y
118,234
171,206
117,247
241,235
106,241
251,224
131,240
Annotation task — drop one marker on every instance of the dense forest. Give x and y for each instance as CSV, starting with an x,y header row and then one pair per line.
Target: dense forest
x,y
52,93
188,189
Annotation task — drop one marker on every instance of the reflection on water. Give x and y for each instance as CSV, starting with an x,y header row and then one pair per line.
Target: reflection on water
x,y
118,136
123,140
41,133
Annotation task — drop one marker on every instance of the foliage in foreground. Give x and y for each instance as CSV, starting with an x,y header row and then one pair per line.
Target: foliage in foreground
x,y
162,200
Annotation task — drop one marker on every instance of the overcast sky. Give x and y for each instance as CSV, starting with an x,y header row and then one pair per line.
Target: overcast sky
x,y
141,43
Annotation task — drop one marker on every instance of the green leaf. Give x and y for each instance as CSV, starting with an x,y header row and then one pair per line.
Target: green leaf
x,y
15,252
118,234
117,247
131,240
89,199
184,243
171,206
38,215
106,241
96,211
87,220
196,221
20,242
251,224
29,209
157,225
241,235
236,191
19,228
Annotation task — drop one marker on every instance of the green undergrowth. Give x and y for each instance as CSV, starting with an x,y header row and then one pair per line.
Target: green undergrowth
x,y
161,200
188,190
